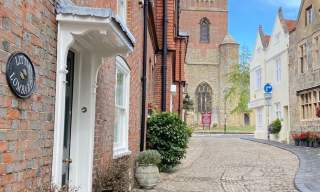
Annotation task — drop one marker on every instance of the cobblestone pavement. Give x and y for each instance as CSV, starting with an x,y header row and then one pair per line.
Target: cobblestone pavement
x,y
229,164
308,176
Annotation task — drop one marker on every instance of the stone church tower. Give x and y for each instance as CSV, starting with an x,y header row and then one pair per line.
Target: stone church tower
x,y
211,54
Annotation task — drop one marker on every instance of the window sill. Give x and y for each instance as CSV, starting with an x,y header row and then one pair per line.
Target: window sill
x,y
119,153
309,120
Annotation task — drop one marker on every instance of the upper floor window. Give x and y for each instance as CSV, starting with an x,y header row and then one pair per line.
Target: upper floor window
x,y
121,128
258,80
316,62
204,30
303,57
277,38
277,108
122,10
309,15
278,70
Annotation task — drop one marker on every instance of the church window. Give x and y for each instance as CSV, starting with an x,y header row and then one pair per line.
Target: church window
x,y
204,98
204,30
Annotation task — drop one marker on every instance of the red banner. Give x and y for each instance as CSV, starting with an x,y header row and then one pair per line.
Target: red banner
x,y
206,119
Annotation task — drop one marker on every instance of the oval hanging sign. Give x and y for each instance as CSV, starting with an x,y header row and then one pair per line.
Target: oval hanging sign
x,y
21,75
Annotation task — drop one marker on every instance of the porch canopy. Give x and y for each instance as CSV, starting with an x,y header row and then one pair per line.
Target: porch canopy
x,y
97,29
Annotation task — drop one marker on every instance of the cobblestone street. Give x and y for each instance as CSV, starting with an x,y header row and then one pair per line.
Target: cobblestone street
x,y
218,163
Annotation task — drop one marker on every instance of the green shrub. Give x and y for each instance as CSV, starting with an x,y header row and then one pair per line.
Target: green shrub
x,y
214,125
149,157
276,126
189,131
169,135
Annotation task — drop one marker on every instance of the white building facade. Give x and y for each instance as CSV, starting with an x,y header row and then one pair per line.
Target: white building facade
x,y
270,65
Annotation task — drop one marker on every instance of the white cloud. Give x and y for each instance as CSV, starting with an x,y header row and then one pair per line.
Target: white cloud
x,y
289,4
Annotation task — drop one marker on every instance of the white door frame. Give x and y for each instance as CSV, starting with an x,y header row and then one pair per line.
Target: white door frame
x,y
83,124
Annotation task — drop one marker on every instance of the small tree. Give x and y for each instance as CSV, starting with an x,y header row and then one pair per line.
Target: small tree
x,y
187,106
187,103
239,79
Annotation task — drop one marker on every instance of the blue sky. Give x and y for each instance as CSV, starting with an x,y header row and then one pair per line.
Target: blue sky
x,y
246,15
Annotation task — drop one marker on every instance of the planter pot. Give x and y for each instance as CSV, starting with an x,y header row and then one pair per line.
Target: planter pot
x,y
296,142
315,144
274,137
304,143
107,190
147,176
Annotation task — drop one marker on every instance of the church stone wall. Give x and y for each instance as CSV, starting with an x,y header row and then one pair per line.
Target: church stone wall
x,y
209,62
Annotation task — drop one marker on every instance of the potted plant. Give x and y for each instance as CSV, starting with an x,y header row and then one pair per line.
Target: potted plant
x,y
147,172
296,138
275,129
304,139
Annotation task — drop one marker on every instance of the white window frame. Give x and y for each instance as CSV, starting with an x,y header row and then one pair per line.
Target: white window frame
x,y
316,51
278,70
258,79
309,15
259,119
277,110
122,10
122,148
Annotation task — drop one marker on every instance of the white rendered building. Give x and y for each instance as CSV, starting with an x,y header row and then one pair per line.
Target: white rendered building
x,y
270,65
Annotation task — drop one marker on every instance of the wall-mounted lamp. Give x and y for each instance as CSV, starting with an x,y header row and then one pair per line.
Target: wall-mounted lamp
x,y
141,3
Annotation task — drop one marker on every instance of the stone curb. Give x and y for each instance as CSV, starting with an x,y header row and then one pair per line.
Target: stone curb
x,y
304,161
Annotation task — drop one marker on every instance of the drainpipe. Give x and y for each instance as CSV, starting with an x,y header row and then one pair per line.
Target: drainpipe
x,y
180,75
164,57
144,75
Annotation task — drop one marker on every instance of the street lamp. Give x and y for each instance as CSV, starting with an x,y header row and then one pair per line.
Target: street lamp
x,y
225,92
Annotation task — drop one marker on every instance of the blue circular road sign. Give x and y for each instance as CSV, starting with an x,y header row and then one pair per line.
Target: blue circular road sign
x,y
268,88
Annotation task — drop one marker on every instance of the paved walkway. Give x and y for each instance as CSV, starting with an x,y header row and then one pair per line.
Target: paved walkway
x,y
230,164
308,176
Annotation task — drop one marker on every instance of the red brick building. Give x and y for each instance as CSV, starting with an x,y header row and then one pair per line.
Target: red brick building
x,y
175,51
85,113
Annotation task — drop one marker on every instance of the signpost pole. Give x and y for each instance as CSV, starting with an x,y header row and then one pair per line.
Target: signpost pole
x,y
225,116
268,121
268,97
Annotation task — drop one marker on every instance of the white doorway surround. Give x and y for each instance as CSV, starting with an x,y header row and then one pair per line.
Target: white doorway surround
x,y
92,34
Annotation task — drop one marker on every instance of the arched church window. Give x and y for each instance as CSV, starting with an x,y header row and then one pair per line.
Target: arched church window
x,y
204,30
204,98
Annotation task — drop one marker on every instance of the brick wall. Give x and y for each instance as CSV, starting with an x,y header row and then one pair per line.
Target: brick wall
x,y
26,126
105,92
171,22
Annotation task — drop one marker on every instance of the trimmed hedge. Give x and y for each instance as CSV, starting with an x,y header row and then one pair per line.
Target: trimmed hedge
x,y
169,135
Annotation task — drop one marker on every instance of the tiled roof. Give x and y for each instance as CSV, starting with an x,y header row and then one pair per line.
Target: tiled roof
x,y
290,24
265,39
